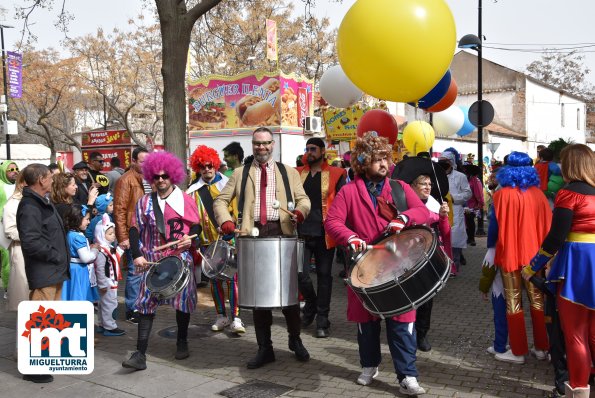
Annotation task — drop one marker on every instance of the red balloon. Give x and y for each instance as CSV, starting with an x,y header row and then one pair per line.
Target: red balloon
x,y
379,121
448,99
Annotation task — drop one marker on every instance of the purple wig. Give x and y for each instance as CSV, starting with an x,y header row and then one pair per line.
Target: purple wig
x,y
166,161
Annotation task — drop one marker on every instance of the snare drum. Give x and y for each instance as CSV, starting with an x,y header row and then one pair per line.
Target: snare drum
x,y
268,271
219,261
168,277
391,283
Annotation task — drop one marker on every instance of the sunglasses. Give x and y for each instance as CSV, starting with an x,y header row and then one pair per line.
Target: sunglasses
x,y
13,169
158,177
98,160
208,166
263,143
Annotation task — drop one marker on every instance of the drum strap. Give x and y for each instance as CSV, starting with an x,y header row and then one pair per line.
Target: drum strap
x,y
398,194
245,173
158,215
207,201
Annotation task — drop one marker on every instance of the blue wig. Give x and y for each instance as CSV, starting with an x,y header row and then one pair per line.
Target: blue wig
x,y
518,172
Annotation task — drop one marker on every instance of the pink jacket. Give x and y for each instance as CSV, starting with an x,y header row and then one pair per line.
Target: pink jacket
x,y
476,201
353,213
444,229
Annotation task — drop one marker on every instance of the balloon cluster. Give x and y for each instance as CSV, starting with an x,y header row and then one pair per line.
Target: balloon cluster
x,y
454,120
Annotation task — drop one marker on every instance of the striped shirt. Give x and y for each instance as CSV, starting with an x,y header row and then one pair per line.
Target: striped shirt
x,y
271,192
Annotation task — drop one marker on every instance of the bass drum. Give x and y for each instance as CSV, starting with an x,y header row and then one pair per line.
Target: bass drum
x,y
394,280
168,277
268,271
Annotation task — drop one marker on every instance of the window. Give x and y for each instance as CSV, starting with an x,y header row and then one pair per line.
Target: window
x,y
578,118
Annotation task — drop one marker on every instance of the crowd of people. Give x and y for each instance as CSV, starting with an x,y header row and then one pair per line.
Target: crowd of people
x,y
77,235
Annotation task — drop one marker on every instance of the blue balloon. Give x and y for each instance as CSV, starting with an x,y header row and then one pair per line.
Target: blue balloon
x,y
436,94
467,128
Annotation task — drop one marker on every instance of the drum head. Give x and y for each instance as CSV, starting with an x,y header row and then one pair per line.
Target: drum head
x,y
216,258
163,274
378,266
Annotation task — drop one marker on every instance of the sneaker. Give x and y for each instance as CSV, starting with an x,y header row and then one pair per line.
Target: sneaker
x,y
237,326
114,332
367,375
137,361
409,386
508,356
221,323
555,394
538,354
491,350
132,316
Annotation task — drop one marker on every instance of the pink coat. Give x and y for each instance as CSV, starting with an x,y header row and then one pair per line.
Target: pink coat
x,y
353,213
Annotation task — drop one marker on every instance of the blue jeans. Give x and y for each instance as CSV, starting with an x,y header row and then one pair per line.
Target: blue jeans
x,y
500,323
132,284
402,342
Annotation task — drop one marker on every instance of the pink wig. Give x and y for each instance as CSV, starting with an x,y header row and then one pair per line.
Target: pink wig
x,y
166,161
204,155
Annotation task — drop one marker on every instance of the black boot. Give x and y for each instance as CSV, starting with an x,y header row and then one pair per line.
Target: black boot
x,y
295,345
422,342
265,352
182,320
182,349
138,360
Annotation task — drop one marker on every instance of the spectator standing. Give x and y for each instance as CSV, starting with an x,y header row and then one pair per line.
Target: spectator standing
x,y
97,177
233,155
43,240
8,175
129,189
114,174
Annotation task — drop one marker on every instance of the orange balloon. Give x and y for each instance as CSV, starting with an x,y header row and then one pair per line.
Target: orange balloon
x,y
448,99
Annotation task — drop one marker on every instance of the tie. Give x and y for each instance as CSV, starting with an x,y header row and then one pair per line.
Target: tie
x,y
263,194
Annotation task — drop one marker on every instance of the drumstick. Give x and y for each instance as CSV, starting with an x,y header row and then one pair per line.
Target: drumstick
x,y
390,246
216,242
175,242
277,206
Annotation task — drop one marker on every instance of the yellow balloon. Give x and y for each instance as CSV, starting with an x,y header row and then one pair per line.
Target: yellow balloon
x,y
418,136
396,50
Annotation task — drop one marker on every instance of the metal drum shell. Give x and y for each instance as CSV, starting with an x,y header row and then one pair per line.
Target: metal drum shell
x,y
227,271
268,271
177,284
409,290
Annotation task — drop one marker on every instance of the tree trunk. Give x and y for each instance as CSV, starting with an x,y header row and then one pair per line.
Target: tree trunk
x,y
176,27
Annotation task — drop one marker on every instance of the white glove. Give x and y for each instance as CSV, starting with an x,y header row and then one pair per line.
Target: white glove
x,y
357,244
488,260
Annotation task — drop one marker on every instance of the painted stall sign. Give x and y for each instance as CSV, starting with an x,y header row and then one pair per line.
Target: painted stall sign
x,y
105,138
250,99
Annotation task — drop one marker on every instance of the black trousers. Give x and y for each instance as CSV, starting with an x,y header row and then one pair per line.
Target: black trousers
x,y
470,226
317,301
263,319
557,345
423,318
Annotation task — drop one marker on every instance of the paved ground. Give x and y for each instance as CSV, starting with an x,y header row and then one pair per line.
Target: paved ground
x,y
457,366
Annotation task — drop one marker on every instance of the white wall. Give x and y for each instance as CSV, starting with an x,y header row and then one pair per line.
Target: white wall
x,y
544,116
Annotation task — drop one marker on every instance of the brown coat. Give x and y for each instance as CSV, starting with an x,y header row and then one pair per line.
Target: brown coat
x,y
232,190
129,189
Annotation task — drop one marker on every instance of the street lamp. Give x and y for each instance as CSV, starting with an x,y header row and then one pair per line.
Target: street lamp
x,y
5,84
473,42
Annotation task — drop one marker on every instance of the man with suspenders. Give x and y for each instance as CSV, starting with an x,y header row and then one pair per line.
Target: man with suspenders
x,y
258,185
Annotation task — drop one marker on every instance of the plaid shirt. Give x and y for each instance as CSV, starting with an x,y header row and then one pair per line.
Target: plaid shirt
x,y
272,214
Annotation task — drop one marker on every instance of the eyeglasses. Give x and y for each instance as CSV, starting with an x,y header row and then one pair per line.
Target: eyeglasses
x,y
263,143
424,184
157,177
311,148
13,169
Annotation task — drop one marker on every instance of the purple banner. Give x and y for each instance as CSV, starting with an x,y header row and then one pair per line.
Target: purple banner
x,y
15,74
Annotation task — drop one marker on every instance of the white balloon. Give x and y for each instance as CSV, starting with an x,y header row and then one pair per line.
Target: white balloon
x,y
449,121
337,89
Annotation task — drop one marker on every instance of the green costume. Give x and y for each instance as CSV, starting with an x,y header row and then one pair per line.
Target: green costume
x,y
4,256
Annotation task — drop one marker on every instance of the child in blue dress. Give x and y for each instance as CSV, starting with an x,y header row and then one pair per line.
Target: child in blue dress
x,y
83,283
